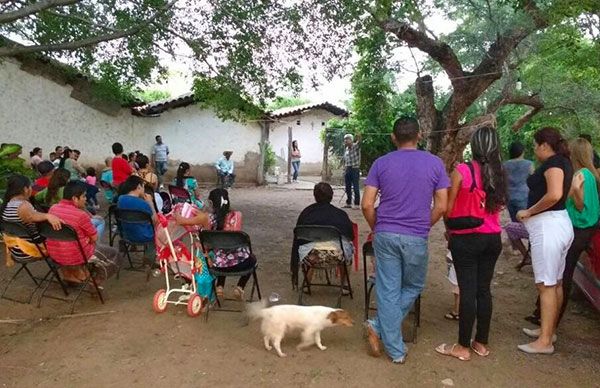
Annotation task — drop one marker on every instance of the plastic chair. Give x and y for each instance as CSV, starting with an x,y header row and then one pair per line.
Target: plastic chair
x,y
369,284
19,230
126,216
67,233
229,240
112,222
179,195
320,233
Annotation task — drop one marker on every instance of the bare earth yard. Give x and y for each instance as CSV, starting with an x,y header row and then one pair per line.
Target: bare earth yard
x,y
136,347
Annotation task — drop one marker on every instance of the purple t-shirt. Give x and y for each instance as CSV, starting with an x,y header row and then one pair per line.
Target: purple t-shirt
x,y
407,180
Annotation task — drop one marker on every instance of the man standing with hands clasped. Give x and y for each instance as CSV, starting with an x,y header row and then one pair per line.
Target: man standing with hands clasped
x,y
407,181
160,157
352,169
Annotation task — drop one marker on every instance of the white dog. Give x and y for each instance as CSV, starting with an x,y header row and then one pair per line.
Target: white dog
x,y
310,320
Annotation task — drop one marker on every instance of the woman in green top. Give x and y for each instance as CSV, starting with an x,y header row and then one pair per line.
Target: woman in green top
x,y
54,192
68,163
583,206
183,179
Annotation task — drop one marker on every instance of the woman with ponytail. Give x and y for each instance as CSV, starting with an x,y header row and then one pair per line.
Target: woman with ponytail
x,y
184,180
476,244
216,218
550,231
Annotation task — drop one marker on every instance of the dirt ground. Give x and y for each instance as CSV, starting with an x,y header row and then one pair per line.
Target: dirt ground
x,y
133,346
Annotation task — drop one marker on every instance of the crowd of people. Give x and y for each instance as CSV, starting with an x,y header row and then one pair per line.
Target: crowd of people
x,y
555,206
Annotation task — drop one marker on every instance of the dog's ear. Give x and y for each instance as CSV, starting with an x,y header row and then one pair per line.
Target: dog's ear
x,y
333,317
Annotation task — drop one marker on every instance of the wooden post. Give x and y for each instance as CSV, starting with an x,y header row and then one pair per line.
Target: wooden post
x,y
325,168
289,164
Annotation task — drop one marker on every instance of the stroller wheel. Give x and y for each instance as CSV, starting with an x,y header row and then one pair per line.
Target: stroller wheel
x,y
159,304
194,305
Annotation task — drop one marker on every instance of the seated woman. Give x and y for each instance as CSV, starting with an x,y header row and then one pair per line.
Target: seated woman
x,y
133,197
71,210
145,172
236,260
17,208
54,192
325,214
68,161
189,183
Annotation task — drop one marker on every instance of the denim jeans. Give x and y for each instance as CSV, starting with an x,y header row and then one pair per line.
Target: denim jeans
x,y
401,268
99,224
161,169
352,177
296,166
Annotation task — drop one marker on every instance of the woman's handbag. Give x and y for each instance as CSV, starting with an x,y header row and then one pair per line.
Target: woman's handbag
x,y
469,208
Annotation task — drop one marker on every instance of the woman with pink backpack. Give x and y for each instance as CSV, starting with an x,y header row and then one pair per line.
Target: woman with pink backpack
x,y
476,197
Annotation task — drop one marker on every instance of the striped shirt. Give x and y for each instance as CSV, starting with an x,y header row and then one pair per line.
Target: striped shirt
x,y
67,252
11,214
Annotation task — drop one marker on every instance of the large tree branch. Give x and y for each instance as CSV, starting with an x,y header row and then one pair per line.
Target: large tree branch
x,y
90,41
437,50
33,8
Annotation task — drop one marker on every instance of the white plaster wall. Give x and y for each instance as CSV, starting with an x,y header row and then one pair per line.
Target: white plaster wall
x,y
196,135
38,112
308,134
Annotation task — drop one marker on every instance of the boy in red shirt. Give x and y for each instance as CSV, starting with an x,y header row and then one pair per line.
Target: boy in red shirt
x,y
120,167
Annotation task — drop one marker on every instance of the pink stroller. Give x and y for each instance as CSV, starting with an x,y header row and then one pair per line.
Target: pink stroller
x,y
178,258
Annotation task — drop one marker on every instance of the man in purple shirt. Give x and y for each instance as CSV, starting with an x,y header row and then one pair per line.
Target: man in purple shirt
x,y
407,181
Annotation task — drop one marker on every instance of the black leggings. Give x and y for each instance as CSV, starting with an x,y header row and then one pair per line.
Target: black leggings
x,y
243,266
475,257
580,243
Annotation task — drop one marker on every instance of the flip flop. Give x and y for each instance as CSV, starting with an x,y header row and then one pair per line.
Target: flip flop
x,y
443,349
482,354
451,315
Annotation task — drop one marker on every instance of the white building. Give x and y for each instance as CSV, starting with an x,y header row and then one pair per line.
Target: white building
x,y
306,122
42,104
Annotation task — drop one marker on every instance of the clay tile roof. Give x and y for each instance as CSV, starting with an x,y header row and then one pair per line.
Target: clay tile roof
x,y
296,110
158,107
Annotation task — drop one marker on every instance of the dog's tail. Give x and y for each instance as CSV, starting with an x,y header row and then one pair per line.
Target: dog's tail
x,y
255,310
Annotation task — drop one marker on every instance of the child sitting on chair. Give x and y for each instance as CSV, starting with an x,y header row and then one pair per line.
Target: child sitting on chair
x,y
218,217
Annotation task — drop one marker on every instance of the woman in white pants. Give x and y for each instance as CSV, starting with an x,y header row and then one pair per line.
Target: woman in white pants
x,y
550,230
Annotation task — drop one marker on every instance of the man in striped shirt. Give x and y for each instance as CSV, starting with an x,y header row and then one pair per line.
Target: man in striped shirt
x,y
352,169
67,253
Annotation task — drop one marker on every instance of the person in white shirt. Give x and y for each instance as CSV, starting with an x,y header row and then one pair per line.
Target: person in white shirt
x,y
160,157
225,170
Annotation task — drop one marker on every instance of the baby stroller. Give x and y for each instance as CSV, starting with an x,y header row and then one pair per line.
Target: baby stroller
x,y
179,259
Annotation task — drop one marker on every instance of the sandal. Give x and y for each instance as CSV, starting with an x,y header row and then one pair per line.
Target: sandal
x,y
451,315
238,293
443,349
219,291
482,354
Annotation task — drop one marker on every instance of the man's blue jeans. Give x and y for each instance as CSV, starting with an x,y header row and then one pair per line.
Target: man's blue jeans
x,y
161,169
100,225
401,269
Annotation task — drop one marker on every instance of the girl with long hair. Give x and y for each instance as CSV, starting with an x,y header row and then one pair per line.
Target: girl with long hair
x,y
475,250
184,180
550,230
583,207
68,162
145,172
35,157
235,260
295,160
17,208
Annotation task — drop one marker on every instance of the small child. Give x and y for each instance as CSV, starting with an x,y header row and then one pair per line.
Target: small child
x,y
452,314
92,190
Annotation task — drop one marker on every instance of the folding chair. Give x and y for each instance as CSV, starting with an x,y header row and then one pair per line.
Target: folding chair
x,y
19,230
112,222
369,284
212,240
319,233
125,216
67,233
179,195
